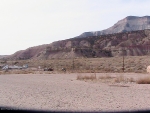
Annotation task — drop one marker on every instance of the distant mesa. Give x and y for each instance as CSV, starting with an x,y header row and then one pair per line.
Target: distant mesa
x,y
131,33
130,23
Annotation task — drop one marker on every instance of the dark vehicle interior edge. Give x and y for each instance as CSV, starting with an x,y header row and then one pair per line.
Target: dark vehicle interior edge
x,y
11,109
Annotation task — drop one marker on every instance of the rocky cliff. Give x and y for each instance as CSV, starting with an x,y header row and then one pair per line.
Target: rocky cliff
x,y
134,43
130,23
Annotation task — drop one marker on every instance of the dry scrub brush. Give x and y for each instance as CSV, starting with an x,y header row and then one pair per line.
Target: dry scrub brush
x,y
145,80
86,77
120,79
105,78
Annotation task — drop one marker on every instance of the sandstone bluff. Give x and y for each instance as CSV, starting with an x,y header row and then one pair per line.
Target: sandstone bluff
x,y
129,36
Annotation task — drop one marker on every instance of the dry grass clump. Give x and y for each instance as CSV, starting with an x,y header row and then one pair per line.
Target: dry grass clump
x,y
106,77
145,80
120,79
131,80
86,77
117,79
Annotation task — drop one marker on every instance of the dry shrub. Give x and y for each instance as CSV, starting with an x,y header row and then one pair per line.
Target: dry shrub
x,y
131,80
123,79
145,80
86,77
106,77
120,79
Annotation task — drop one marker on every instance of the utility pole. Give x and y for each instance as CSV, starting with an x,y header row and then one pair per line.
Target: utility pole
x,y
123,61
73,65
72,50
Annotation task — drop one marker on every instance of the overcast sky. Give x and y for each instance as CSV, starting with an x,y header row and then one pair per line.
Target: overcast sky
x,y
27,23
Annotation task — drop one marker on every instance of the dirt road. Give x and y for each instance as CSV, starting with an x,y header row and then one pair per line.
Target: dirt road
x,y
63,92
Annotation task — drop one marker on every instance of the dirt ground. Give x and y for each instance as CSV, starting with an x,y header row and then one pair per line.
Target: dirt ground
x,y
63,92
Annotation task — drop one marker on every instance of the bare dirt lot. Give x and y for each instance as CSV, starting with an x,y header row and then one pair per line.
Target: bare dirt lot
x,y
63,92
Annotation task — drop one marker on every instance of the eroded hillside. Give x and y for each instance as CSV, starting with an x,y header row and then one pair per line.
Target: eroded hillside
x,y
135,43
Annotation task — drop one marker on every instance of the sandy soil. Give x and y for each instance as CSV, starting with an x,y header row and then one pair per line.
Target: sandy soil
x,y
62,92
